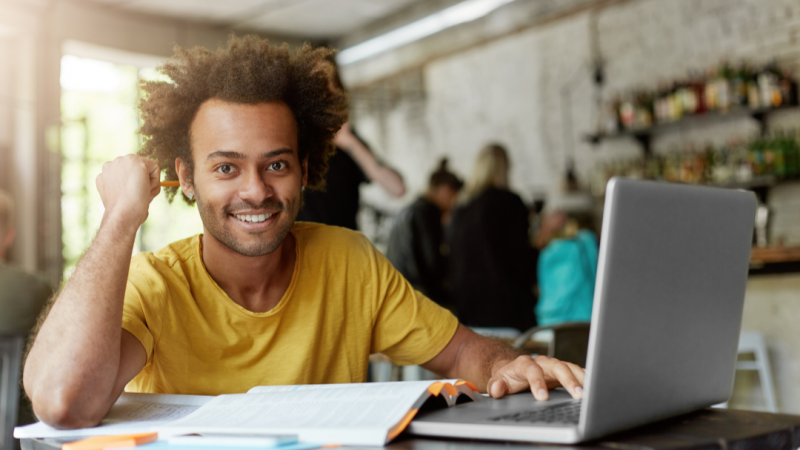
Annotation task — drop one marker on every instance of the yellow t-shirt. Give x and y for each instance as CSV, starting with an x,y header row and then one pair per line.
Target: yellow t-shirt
x,y
345,301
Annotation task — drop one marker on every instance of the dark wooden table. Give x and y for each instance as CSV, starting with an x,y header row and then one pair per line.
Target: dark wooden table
x,y
702,430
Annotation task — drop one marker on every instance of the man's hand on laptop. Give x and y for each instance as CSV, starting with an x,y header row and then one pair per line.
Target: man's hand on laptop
x,y
500,370
538,374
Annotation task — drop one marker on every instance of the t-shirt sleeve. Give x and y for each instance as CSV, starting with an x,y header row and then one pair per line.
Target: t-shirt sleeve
x,y
409,328
141,297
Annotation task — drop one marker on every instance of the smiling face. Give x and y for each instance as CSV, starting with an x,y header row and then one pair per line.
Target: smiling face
x,y
247,177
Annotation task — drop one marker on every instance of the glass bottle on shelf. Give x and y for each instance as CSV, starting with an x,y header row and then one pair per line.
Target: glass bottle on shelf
x,y
644,110
710,96
788,88
724,75
739,86
627,112
769,86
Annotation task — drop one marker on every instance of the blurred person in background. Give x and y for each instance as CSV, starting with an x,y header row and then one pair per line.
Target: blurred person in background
x,y
417,236
351,165
22,295
492,268
566,271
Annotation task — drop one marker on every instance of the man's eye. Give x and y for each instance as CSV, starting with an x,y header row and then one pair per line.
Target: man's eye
x,y
277,165
225,168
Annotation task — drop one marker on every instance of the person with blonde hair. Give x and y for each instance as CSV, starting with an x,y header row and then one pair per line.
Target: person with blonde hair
x,y
490,171
492,269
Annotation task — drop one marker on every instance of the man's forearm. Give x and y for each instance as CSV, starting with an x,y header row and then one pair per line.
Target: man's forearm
x,y
472,357
72,367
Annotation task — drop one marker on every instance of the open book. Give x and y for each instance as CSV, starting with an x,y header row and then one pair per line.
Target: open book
x,y
352,414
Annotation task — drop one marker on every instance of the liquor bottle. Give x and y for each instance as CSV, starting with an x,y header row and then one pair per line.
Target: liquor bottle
x,y
756,157
659,104
788,88
769,86
644,110
708,165
779,154
710,96
739,87
723,87
698,86
627,112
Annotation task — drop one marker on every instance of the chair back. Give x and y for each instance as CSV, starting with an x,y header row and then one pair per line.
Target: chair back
x,y
570,341
10,369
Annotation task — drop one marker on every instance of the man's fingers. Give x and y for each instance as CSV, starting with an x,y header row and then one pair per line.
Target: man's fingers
x,y
496,387
578,371
534,375
563,374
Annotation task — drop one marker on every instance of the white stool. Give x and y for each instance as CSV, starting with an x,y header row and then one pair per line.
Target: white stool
x,y
753,342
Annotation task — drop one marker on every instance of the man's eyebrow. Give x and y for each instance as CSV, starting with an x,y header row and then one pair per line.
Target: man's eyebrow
x,y
225,154
273,153
237,155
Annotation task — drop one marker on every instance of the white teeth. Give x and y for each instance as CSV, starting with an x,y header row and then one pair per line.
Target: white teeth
x,y
253,219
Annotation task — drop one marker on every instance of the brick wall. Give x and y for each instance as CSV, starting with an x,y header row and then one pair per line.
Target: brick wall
x,y
518,89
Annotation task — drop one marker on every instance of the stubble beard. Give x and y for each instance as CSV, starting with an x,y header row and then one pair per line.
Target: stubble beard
x,y
214,223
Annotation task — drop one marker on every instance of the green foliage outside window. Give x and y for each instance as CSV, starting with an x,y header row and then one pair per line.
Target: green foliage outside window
x,y
99,123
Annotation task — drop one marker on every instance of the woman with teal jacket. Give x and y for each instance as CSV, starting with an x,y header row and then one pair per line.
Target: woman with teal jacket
x,y
566,271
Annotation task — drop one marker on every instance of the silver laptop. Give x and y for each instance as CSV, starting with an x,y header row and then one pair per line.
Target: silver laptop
x,y
667,310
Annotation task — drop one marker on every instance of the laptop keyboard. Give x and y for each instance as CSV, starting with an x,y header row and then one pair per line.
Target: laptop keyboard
x,y
567,412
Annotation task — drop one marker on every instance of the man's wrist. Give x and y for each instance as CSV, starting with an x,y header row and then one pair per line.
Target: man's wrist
x,y
121,224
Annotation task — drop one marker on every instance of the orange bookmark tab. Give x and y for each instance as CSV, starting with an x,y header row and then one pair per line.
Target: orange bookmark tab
x,y
103,442
435,388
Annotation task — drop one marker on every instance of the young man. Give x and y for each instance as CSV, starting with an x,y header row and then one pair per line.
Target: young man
x,y
256,299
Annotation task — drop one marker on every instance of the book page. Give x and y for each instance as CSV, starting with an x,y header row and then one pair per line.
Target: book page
x,y
359,414
131,413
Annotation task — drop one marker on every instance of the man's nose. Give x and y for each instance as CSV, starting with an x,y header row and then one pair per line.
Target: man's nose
x,y
255,187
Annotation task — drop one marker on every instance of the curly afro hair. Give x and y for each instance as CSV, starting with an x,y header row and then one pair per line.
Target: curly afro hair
x,y
249,71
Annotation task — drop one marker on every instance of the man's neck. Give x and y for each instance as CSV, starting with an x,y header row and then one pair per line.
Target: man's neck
x,y
255,283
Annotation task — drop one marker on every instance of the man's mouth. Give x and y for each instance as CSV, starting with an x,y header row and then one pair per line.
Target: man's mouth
x,y
252,218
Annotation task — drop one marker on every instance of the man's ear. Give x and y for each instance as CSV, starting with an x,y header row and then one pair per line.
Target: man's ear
x,y
183,175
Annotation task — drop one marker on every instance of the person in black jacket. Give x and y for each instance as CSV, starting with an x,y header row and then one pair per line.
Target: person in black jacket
x,y
351,164
417,236
492,268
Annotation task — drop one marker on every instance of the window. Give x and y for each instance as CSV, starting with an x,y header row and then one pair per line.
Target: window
x,y
100,122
